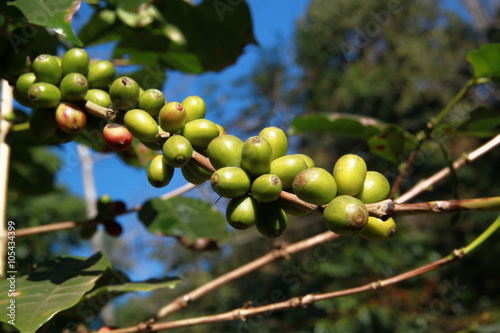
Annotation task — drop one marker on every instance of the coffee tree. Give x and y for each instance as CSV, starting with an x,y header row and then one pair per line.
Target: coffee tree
x,y
77,98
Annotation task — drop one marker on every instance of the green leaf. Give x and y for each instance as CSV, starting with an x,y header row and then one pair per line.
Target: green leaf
x,y
183,216
481,122
54,14
391,143
486,61
341,124
54,286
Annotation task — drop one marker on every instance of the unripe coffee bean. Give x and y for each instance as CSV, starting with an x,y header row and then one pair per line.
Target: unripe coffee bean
x,y
141,125
377,230
172,117
309,161
24,82
159,172
375,188
152,101
62,137
44,95
71,118
177,151
75,61
221,129
43,123
266,188
124,93
198,171
200,132
190,177
230,182
47,69
74,87
256,156
287,168
195,108
99,97
17,63
315,185
101,74
117,137
241,212
225,150
345,215
277,139
293,210
349,174
271,220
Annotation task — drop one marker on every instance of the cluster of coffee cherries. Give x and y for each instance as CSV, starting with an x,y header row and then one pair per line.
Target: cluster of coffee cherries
x,y
252,174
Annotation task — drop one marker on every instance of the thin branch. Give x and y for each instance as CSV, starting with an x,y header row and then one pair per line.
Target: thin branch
x,y
5,126
274,255
431,126
424,185
304,301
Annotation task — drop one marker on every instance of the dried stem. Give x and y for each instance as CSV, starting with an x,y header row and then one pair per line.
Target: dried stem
x,y
424,185
431,126
5,126
274,255
304,301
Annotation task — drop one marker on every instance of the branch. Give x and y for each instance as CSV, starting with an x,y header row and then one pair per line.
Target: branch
x,y
424,185
304,301
272,256
431,126
5,126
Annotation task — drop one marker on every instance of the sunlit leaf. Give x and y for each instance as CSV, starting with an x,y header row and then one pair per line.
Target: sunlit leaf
x,y
486,61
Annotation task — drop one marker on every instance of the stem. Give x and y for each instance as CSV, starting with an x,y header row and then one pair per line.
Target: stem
x,y
20,127
5,126
272,256
306,300
424,185
431,126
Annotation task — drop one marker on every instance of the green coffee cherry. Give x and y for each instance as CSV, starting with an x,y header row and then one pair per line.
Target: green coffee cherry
x,y
200,132
59,61
345,215
151,101
24,82
172,117
62,137
74,87
230,182
225,150
195,108
43,123
241,212
277,139
141,125
22,98
101,74
44,95
266,188
70,118
198,171
271,220
309,161
159,172
190,177
47,69
153,145
375,188
124,93
315,185
75,61
286,168
294,211
349,173
17,63
177,151
256,156
99,97
221,129
377,230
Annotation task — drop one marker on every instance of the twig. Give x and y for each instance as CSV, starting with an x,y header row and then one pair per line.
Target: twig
x,y
5,126
431,126
304,301
424,185
274,255
181,190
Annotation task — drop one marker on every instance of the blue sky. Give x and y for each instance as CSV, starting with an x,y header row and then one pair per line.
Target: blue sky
x,y
274,23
